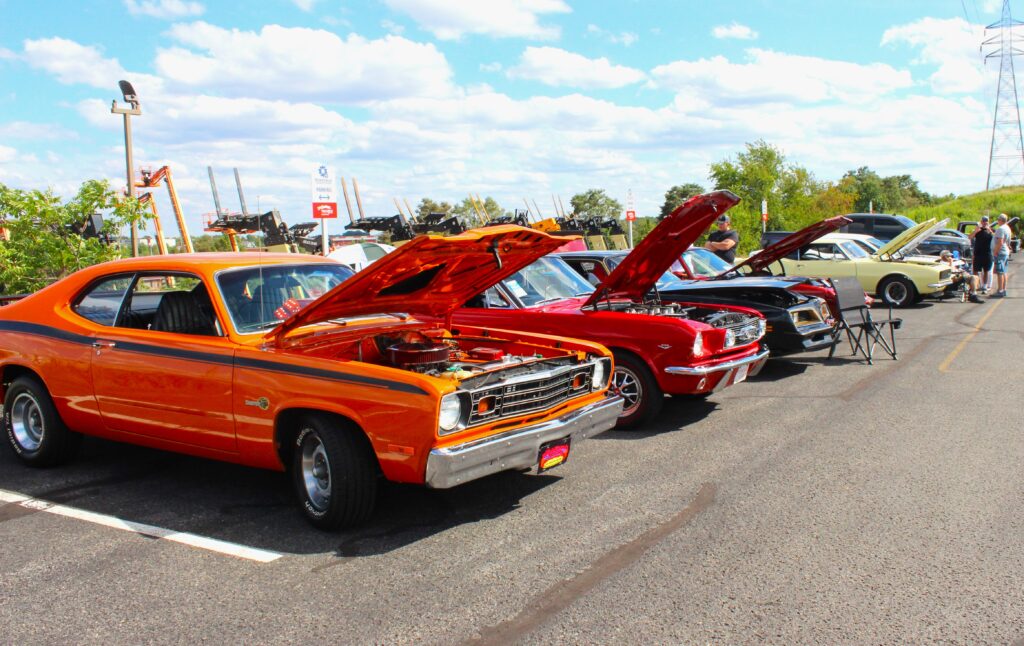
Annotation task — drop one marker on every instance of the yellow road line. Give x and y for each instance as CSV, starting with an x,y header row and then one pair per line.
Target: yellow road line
x,y
944,366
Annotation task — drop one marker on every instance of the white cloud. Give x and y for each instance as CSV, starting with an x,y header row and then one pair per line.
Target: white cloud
x,y
300,63
734,30
774,76
7,154
72,63
625,38
557,67
951,45
305,5
7,55
35,131
491,67
452,19
169,9
392,27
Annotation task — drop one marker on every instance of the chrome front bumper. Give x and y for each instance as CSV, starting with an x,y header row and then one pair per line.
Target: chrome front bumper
x,y
941,284
519,448
703,371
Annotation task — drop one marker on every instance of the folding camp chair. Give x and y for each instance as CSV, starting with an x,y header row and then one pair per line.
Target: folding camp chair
x,y
863,332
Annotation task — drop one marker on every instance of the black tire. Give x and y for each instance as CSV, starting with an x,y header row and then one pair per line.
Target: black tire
x,y
33,427
346,493
897,291
633,380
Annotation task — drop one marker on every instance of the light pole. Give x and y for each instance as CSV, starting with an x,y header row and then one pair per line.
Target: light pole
x,y
128,92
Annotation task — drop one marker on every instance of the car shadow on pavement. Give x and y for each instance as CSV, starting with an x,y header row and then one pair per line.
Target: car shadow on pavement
x,y
247,506
777,369
678,411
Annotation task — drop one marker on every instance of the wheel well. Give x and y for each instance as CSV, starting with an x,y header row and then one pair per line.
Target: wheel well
x,y
12,372
635,355
286,428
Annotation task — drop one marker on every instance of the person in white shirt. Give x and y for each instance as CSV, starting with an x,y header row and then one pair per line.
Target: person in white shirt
x,y
1001,253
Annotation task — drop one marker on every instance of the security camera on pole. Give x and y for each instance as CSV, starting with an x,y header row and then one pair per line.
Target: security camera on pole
x,y
325,200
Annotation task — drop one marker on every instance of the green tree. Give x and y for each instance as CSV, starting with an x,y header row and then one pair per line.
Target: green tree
x,y
207,242
760,173
595,203
43,245
867,186
679,194
469,216
428,206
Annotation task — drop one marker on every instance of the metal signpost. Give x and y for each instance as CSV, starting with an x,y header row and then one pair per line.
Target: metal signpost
x,y
128,92
630,216
764,215
325,200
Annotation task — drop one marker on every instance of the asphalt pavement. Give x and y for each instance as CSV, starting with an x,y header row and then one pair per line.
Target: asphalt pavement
x,y
819,502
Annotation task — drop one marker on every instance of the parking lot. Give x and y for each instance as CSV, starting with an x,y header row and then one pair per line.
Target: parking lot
x,y
820,502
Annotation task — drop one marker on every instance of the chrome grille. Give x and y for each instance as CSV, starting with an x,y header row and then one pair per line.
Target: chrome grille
x,y
746,329
521,396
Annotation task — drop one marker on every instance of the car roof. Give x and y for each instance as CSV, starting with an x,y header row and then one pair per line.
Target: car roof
x,y
213,261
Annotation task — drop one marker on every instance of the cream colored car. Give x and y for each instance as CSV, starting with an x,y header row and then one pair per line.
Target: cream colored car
x,y
887,274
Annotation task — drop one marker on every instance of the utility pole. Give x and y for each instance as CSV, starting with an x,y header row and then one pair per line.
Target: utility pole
x,y
1006,154
128,92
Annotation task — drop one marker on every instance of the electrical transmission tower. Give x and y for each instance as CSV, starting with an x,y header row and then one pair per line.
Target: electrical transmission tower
x,y
1006,156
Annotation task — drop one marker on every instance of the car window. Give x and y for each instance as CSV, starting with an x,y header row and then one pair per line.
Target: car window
x,y
170,302
823,251
860,225
547,279
905,221
260,297
101,303
853,250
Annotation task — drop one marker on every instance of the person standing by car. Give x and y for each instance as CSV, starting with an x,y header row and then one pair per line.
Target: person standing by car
x,y
723,242
1001,253
981,263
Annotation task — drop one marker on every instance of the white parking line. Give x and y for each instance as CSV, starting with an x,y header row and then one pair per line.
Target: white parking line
x,y
202,542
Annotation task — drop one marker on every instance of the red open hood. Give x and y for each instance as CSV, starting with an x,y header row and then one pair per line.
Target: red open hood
x,y
641,269
790,243
429,275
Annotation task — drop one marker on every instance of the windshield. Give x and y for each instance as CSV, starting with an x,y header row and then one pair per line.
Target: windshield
x,y
548,279
668,280
905,221
702,262
260,297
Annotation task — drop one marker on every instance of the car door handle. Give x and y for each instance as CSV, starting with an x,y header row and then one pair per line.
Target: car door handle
x,y
101,344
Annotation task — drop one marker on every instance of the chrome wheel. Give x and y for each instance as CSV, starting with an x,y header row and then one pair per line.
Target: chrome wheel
x,y
27,422
316,472
896,293
627,384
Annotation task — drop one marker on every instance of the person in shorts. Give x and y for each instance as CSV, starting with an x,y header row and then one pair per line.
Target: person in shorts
x,y
1001,253
981,246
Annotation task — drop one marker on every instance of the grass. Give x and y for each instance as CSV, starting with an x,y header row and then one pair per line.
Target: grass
x,y
1009,200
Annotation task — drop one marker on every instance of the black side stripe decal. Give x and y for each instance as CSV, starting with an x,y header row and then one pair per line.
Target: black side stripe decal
x,y
212,357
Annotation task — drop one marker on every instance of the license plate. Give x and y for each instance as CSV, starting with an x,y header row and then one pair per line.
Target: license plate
x,y
741,373
552,454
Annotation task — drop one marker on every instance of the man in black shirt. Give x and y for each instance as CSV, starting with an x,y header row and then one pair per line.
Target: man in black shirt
x,y
981,255
723,241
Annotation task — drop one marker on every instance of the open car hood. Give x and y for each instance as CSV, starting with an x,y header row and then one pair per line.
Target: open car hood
x,y
789,244
912,244
429,276
641,269
900,241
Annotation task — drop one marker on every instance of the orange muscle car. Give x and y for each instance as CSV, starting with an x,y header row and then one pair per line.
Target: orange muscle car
x,y
293,363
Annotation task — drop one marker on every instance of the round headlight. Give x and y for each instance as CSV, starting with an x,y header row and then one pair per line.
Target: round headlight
x,y
698,345
730,338
600,373
451,412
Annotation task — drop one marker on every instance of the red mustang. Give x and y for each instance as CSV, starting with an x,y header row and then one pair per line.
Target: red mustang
x,y
675,348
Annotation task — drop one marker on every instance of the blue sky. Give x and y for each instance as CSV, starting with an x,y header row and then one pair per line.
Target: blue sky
x,y
508,98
